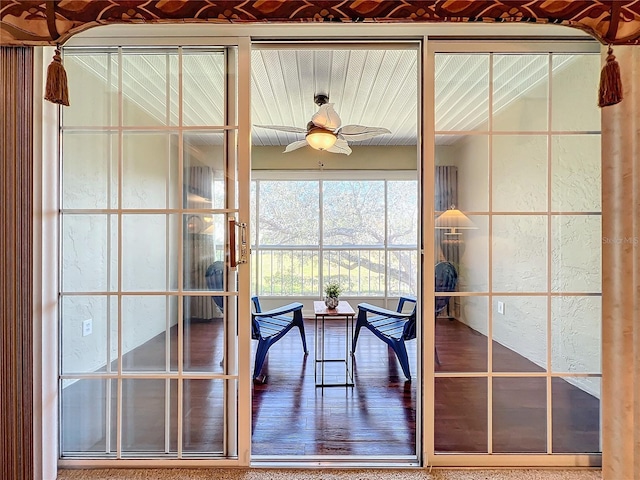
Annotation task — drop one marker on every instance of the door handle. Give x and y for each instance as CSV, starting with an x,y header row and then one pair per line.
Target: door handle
x,y
244,250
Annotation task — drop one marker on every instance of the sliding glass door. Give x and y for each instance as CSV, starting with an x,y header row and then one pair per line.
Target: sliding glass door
x,y
517,254
151,275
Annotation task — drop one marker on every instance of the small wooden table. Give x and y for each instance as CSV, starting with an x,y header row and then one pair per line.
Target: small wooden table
x,y
321,311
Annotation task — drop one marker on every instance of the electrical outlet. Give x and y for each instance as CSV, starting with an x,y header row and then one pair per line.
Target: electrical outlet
x,y
500,307
87,327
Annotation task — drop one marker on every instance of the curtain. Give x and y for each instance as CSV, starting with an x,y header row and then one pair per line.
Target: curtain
x,y
16,280
199,250
446,195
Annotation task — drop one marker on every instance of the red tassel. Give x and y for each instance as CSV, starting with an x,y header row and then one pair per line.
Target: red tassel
x,y
610,84
56,89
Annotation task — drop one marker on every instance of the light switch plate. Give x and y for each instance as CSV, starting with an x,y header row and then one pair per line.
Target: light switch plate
x,y
500,307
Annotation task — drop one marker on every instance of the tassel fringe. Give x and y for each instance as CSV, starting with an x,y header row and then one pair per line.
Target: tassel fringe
x,y
610,91
56,89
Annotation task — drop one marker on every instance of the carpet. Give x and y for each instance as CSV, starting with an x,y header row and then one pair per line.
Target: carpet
x,y
326,474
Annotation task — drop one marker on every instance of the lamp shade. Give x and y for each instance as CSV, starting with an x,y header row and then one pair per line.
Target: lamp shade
x,y
321,138
453,219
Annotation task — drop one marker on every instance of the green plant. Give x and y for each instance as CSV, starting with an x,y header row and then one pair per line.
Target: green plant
x,y
333,289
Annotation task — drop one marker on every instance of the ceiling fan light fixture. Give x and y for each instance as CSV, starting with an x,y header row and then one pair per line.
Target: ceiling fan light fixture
x,y
321,138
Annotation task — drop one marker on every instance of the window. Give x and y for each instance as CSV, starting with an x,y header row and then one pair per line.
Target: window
x,y
360,232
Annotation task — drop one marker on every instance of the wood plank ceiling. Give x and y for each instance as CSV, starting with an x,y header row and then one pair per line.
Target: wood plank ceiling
x,y
370,87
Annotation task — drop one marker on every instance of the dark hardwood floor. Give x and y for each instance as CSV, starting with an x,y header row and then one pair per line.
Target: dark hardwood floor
x,y
518,409
291,416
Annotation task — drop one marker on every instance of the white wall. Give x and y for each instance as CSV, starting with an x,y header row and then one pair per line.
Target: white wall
x,y
90,242
362,158
520,183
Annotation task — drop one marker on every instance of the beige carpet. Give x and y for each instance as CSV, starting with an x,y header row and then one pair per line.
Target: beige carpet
x,y
326,474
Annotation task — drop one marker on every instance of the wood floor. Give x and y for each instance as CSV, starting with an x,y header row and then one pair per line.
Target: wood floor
x,y
292,417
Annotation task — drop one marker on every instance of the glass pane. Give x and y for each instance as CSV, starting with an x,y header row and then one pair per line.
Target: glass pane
x,y
112,331
519,334
576,252
89,178
576,414
199,308
519,415
233,162
460,421
144,333
85,253
145,170
144,88
289,213
203,422
83,334
203,88
468,252
174,89
402,211
146,405
204,251
575,173
461,334
176,230
519,173
461,92
575,79
519,243
83,407
576,324
144,255
361,272
353,213
204,170
290,272
204,341
93,82
520,92
462,172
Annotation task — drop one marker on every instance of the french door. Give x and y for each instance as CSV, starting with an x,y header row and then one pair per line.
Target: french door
x,y
153,301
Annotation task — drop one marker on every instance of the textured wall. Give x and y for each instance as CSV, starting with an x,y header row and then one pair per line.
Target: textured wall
x,y
520,243
90,242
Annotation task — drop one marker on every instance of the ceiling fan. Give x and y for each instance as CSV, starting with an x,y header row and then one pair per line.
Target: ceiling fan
x,y
324,131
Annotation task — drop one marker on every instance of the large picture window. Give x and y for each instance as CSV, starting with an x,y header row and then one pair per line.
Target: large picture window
x,y
360,232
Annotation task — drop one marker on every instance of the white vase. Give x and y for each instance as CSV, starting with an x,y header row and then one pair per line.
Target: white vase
x,y
331,302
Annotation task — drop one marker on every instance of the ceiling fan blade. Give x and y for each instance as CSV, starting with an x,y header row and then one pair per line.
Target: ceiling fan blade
x,y
296,145
360,132
284,128
341,146
326,117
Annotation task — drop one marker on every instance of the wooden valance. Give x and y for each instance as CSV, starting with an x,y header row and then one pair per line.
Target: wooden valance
x,y
615,22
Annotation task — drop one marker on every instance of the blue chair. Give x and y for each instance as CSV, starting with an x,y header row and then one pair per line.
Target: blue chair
x,y
269,327
215,281
392,327
396,327
446,279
